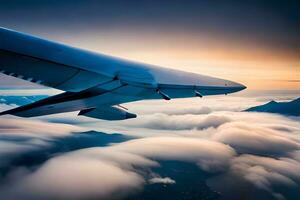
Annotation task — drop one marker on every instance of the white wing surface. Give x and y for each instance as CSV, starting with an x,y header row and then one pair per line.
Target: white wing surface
x,y
92,80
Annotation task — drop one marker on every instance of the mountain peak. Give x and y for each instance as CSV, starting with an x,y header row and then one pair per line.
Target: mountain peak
x,y
291,108
296,100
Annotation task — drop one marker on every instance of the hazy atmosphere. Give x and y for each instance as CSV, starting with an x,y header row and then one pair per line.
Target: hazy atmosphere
x,y
253,42
244,145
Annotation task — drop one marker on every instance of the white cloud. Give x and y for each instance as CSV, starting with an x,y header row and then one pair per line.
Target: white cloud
x,y
254,139
105,172
19,136
209,155
180,122
78,175
160,180
35,128
259,149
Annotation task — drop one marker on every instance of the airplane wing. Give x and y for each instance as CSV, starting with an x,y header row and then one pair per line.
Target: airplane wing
x,y
92,80
39,61
65,103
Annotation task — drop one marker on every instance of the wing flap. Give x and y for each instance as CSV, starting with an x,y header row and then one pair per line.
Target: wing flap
x,y
107,113
68,101
64,102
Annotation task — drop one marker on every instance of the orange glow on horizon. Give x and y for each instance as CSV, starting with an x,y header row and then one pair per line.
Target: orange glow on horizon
x,y
253,64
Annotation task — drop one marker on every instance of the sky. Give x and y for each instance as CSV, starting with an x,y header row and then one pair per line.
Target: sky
x,y
252,42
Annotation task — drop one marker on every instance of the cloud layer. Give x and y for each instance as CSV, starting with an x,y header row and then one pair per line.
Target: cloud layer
x,y
257,154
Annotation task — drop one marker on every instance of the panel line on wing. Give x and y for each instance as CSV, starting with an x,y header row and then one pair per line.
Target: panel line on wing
x,y
67,79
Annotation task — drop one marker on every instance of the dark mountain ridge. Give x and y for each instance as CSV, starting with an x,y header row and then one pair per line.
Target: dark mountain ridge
x,y
291,108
